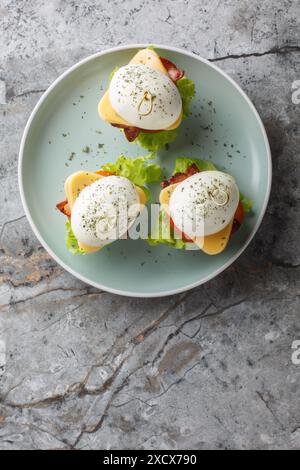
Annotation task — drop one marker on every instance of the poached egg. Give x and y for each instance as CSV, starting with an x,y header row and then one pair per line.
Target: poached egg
x,y
204,204
145,97
105,210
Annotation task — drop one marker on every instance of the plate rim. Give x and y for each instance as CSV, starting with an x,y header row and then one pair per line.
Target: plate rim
x,y
99,285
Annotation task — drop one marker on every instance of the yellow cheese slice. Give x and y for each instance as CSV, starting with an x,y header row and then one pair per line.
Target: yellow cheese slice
x,y
215,243
75,183
142,195
88,248
146,57
107,113
150,58
165,194
211,244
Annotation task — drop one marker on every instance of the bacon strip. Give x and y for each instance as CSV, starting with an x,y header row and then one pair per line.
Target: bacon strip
x,y
131,132
64,208
174,72
179,177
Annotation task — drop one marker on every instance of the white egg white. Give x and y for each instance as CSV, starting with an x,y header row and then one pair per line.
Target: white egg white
x,y
145,97
204,203
104,211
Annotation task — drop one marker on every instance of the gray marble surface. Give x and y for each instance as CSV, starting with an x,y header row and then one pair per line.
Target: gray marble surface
x,y
210,368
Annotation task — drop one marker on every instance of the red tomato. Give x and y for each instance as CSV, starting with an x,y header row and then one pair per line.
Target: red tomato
x,y
104,173
184,237
238,218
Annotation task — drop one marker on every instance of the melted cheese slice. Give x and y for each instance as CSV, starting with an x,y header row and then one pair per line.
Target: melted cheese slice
x,y
145,57
150,58
211,244
75,183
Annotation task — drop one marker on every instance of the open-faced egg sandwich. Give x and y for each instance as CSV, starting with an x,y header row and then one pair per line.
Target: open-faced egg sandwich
x,y
101,206
147,98
201,207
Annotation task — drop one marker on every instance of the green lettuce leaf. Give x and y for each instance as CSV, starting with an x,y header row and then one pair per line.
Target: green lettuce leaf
x,y
71,241
112,73
247,203
187,91
183,163
158,140
137,170
164,234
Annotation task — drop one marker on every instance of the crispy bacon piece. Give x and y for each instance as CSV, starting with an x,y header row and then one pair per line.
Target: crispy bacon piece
x,y
192,169
61,205
178,177
174,72
173,180
64,208
131,132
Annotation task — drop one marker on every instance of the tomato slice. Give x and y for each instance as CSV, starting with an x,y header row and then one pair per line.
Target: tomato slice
x,y
238,218
184,237
104,173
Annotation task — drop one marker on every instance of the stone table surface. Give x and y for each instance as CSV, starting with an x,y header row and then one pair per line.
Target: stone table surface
x,y
211,368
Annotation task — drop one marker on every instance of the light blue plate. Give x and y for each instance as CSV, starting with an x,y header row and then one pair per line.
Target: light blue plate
x,y
224,127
